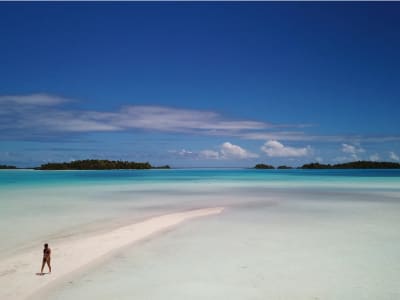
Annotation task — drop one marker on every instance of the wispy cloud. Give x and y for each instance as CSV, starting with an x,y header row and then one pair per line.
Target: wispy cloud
x,y
393,156
180,120
33,99
43,115
273,148
301,136
352,150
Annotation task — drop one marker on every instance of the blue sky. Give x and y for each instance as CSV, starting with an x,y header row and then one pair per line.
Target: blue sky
x,y
199,84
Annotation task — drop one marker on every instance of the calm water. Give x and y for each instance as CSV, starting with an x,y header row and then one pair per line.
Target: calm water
x,y
285,234
16,178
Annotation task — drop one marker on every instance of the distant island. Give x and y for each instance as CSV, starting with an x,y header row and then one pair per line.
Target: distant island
x,y
5,167
284,168
263,166
354,165
96,164
349,165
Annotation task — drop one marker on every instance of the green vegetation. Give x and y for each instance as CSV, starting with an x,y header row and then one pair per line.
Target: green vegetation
x,y
316,166
263,166
95,164
162,167
354,165
4,167
349,165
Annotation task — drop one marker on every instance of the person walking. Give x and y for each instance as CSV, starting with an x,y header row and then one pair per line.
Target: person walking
x,y
46,258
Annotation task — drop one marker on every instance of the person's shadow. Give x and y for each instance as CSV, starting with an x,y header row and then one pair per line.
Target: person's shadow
x,y
41,274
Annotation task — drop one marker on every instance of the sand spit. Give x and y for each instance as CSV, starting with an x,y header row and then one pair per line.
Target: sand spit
x,y
18,279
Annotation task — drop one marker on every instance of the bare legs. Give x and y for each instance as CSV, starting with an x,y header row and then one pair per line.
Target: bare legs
x,y
48,264
44,262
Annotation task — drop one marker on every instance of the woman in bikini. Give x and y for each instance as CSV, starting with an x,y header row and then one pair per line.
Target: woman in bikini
x,y
46,258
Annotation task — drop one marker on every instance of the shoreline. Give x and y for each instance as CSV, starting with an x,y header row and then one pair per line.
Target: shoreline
x,y
18,272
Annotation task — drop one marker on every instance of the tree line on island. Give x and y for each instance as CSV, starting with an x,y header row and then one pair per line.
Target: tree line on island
x,y
265,166
349,165
99,164
5,167
96,164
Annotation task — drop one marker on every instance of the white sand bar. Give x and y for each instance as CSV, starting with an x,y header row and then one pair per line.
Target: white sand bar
x,y
18,279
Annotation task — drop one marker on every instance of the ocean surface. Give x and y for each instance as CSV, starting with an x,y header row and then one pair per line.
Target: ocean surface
x,y
285,234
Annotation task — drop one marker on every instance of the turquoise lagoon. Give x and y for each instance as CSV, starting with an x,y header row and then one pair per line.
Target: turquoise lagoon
x,y
285,234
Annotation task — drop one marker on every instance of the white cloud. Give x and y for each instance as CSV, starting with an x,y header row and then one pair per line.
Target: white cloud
x,y
274,148
229,150
226,151
353,150
374,157
393,156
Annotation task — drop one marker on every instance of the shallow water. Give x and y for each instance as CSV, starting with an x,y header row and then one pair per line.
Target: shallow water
x,y
285,234
289,252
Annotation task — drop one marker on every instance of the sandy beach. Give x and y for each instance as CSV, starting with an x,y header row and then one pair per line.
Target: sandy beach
x,y
18,273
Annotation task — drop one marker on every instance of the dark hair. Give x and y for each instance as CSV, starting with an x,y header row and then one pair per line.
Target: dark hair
x,y
46,245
